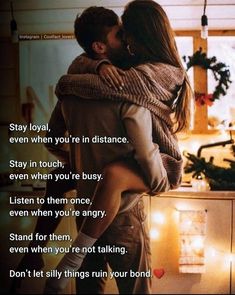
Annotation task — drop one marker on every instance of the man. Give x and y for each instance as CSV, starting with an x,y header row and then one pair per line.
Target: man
x,y
82,119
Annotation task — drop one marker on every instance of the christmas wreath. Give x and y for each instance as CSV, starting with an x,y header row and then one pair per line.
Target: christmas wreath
x,y
220,72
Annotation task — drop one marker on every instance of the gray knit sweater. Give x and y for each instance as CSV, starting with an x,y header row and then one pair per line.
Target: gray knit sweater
x,y
153,86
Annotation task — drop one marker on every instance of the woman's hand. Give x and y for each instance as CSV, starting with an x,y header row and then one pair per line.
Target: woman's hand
x,y
111,75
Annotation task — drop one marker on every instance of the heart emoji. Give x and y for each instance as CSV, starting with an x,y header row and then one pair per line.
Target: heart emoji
x,y
159,272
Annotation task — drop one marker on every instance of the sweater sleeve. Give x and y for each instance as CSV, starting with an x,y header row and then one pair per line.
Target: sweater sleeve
x,y
89,86
83,64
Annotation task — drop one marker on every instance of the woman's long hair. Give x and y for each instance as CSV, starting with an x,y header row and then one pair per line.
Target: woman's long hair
x,y
147,24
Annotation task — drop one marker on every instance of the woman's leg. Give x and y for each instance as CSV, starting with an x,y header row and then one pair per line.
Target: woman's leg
x,y
117,178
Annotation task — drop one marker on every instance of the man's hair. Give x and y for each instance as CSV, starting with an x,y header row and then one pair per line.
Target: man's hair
x,y
93,25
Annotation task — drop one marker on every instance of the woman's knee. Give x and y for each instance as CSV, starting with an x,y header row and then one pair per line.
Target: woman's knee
x,y
116,171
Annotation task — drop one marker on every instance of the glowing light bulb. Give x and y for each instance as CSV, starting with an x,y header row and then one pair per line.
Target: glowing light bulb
x,y
158,217
204,28
198,245
154,234
198,242
194,146
213,252
230,257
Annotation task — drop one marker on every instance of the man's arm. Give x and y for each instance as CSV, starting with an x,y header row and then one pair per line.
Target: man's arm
x,y
57,128
138,124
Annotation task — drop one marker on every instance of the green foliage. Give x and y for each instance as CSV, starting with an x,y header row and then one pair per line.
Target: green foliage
x,y
220,71
219,178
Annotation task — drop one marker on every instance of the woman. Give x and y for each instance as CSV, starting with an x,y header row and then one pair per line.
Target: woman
x,y
157,82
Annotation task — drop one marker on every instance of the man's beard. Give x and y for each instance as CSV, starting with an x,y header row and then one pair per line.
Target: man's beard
x,y
119,57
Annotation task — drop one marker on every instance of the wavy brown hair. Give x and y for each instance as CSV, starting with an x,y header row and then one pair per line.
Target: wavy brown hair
x,y
147,24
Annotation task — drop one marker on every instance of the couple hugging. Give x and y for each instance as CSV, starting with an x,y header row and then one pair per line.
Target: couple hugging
x,y
129,83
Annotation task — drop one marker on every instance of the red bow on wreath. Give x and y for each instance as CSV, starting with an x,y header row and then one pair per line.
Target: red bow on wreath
x,y
204,99
220,72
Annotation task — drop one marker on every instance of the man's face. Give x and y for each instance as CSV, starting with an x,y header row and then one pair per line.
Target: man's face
x,y
115,47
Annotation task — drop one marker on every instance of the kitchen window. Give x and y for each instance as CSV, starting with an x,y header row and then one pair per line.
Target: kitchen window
x,y
221,44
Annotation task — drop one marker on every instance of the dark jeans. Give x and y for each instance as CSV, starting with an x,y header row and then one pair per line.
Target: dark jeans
x,y
127,230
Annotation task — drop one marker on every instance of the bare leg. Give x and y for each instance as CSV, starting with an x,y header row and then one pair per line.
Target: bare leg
x,y
117,178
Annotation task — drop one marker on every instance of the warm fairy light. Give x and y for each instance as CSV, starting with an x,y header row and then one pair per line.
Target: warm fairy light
x,y
158,217
230,257
213,253
194,146
154,234
200,185
198,243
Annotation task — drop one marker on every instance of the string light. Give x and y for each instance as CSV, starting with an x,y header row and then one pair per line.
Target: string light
x,y
198,243
230,257
158,217
200,184
13,25
154,234
212,252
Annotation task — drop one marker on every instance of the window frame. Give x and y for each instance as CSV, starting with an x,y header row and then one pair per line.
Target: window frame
x,y
200,118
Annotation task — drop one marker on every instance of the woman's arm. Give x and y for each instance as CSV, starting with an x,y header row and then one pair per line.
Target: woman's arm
x,y
137,89
83,64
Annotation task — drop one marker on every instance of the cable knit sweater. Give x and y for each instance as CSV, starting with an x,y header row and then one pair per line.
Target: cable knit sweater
x,y
153,86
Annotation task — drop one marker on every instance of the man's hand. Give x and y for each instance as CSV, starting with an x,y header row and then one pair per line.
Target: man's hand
x,y
111,75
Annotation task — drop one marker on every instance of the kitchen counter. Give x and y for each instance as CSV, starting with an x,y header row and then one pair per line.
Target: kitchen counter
x,y
189,192
181,192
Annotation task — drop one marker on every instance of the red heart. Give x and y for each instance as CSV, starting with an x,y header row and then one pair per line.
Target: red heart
x,y
159,272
